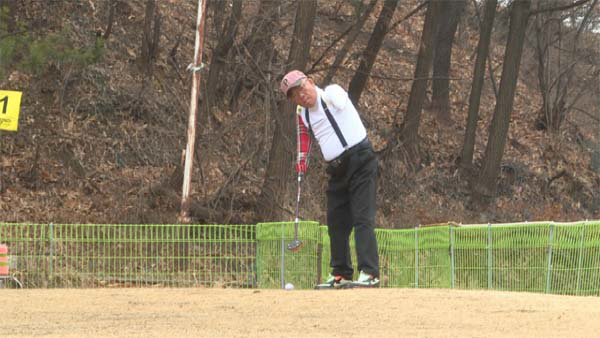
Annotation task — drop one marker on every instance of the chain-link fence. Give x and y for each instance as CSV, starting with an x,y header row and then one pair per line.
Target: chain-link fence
x,y
562,258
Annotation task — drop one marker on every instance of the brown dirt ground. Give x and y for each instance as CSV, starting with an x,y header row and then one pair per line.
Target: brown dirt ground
x,y
278,313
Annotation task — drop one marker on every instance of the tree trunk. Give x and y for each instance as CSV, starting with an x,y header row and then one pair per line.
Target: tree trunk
x,y
217,62
151,36
263,30
280,163
546,28
562,107
259,44
483,47
218,9
341,54
112,7
359,80
557,57
410,125
448,23
485,186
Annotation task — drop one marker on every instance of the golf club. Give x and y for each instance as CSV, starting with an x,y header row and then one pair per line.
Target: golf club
x,y
296,244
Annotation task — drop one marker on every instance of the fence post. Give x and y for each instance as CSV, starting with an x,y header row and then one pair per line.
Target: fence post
x,y
549,268
319,259
452,255
489,254
580,262
417,256
282,257
51,252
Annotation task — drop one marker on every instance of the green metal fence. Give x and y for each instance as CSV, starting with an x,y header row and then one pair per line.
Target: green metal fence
x,y
90,255
560,258
298,267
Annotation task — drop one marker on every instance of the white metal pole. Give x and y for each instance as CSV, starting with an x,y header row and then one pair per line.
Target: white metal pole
x,y
191,132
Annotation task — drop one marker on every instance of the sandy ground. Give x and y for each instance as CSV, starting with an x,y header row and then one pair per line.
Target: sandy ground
x,y
278,313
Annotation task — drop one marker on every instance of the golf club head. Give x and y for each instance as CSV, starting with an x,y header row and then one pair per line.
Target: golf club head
x,y
294,245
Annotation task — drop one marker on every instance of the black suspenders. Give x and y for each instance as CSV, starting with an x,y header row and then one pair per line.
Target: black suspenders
x,y
334,124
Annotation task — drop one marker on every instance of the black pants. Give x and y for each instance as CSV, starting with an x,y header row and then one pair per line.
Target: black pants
x,y
351,204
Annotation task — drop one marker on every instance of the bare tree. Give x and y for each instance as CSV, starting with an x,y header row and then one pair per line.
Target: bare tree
x,y
359,80
557,55
485,185
219,11
280,160
218,60
440,98
355,31
485,35
150,37
112,7
257,50
410,126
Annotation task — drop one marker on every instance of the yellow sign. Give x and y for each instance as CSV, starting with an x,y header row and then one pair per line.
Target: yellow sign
x,y
10,102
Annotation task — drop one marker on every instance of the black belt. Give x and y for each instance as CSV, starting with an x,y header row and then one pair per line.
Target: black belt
x,y
360,145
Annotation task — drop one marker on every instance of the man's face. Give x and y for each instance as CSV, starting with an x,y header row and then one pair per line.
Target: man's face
x,y
304,94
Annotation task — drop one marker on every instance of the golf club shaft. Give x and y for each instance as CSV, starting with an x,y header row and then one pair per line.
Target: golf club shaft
x,y
298,194
297,207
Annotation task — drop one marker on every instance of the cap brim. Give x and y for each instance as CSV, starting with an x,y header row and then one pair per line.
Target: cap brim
x,y
294,85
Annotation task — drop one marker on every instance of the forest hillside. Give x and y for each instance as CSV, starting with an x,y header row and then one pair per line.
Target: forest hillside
x,y
106,96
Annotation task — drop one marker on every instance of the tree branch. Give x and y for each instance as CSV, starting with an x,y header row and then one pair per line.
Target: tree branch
x,y
413,12
328,48
586,113
396,78
558,8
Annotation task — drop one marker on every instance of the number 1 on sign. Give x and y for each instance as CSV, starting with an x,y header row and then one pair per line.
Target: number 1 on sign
x,y
10,102
5,105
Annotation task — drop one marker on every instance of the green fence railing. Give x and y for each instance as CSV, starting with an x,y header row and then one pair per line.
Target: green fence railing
x,y
298,267
560,258
90,255
536,257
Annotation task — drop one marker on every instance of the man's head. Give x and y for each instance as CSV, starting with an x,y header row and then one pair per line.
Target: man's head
x,y
299,88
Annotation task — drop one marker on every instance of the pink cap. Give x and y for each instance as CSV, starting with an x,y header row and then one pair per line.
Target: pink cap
x,y
291,80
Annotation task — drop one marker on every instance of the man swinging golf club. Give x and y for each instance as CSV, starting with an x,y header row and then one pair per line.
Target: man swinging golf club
x,y
352,167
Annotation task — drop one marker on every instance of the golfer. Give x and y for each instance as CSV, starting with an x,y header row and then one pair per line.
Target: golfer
x,y
352,167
